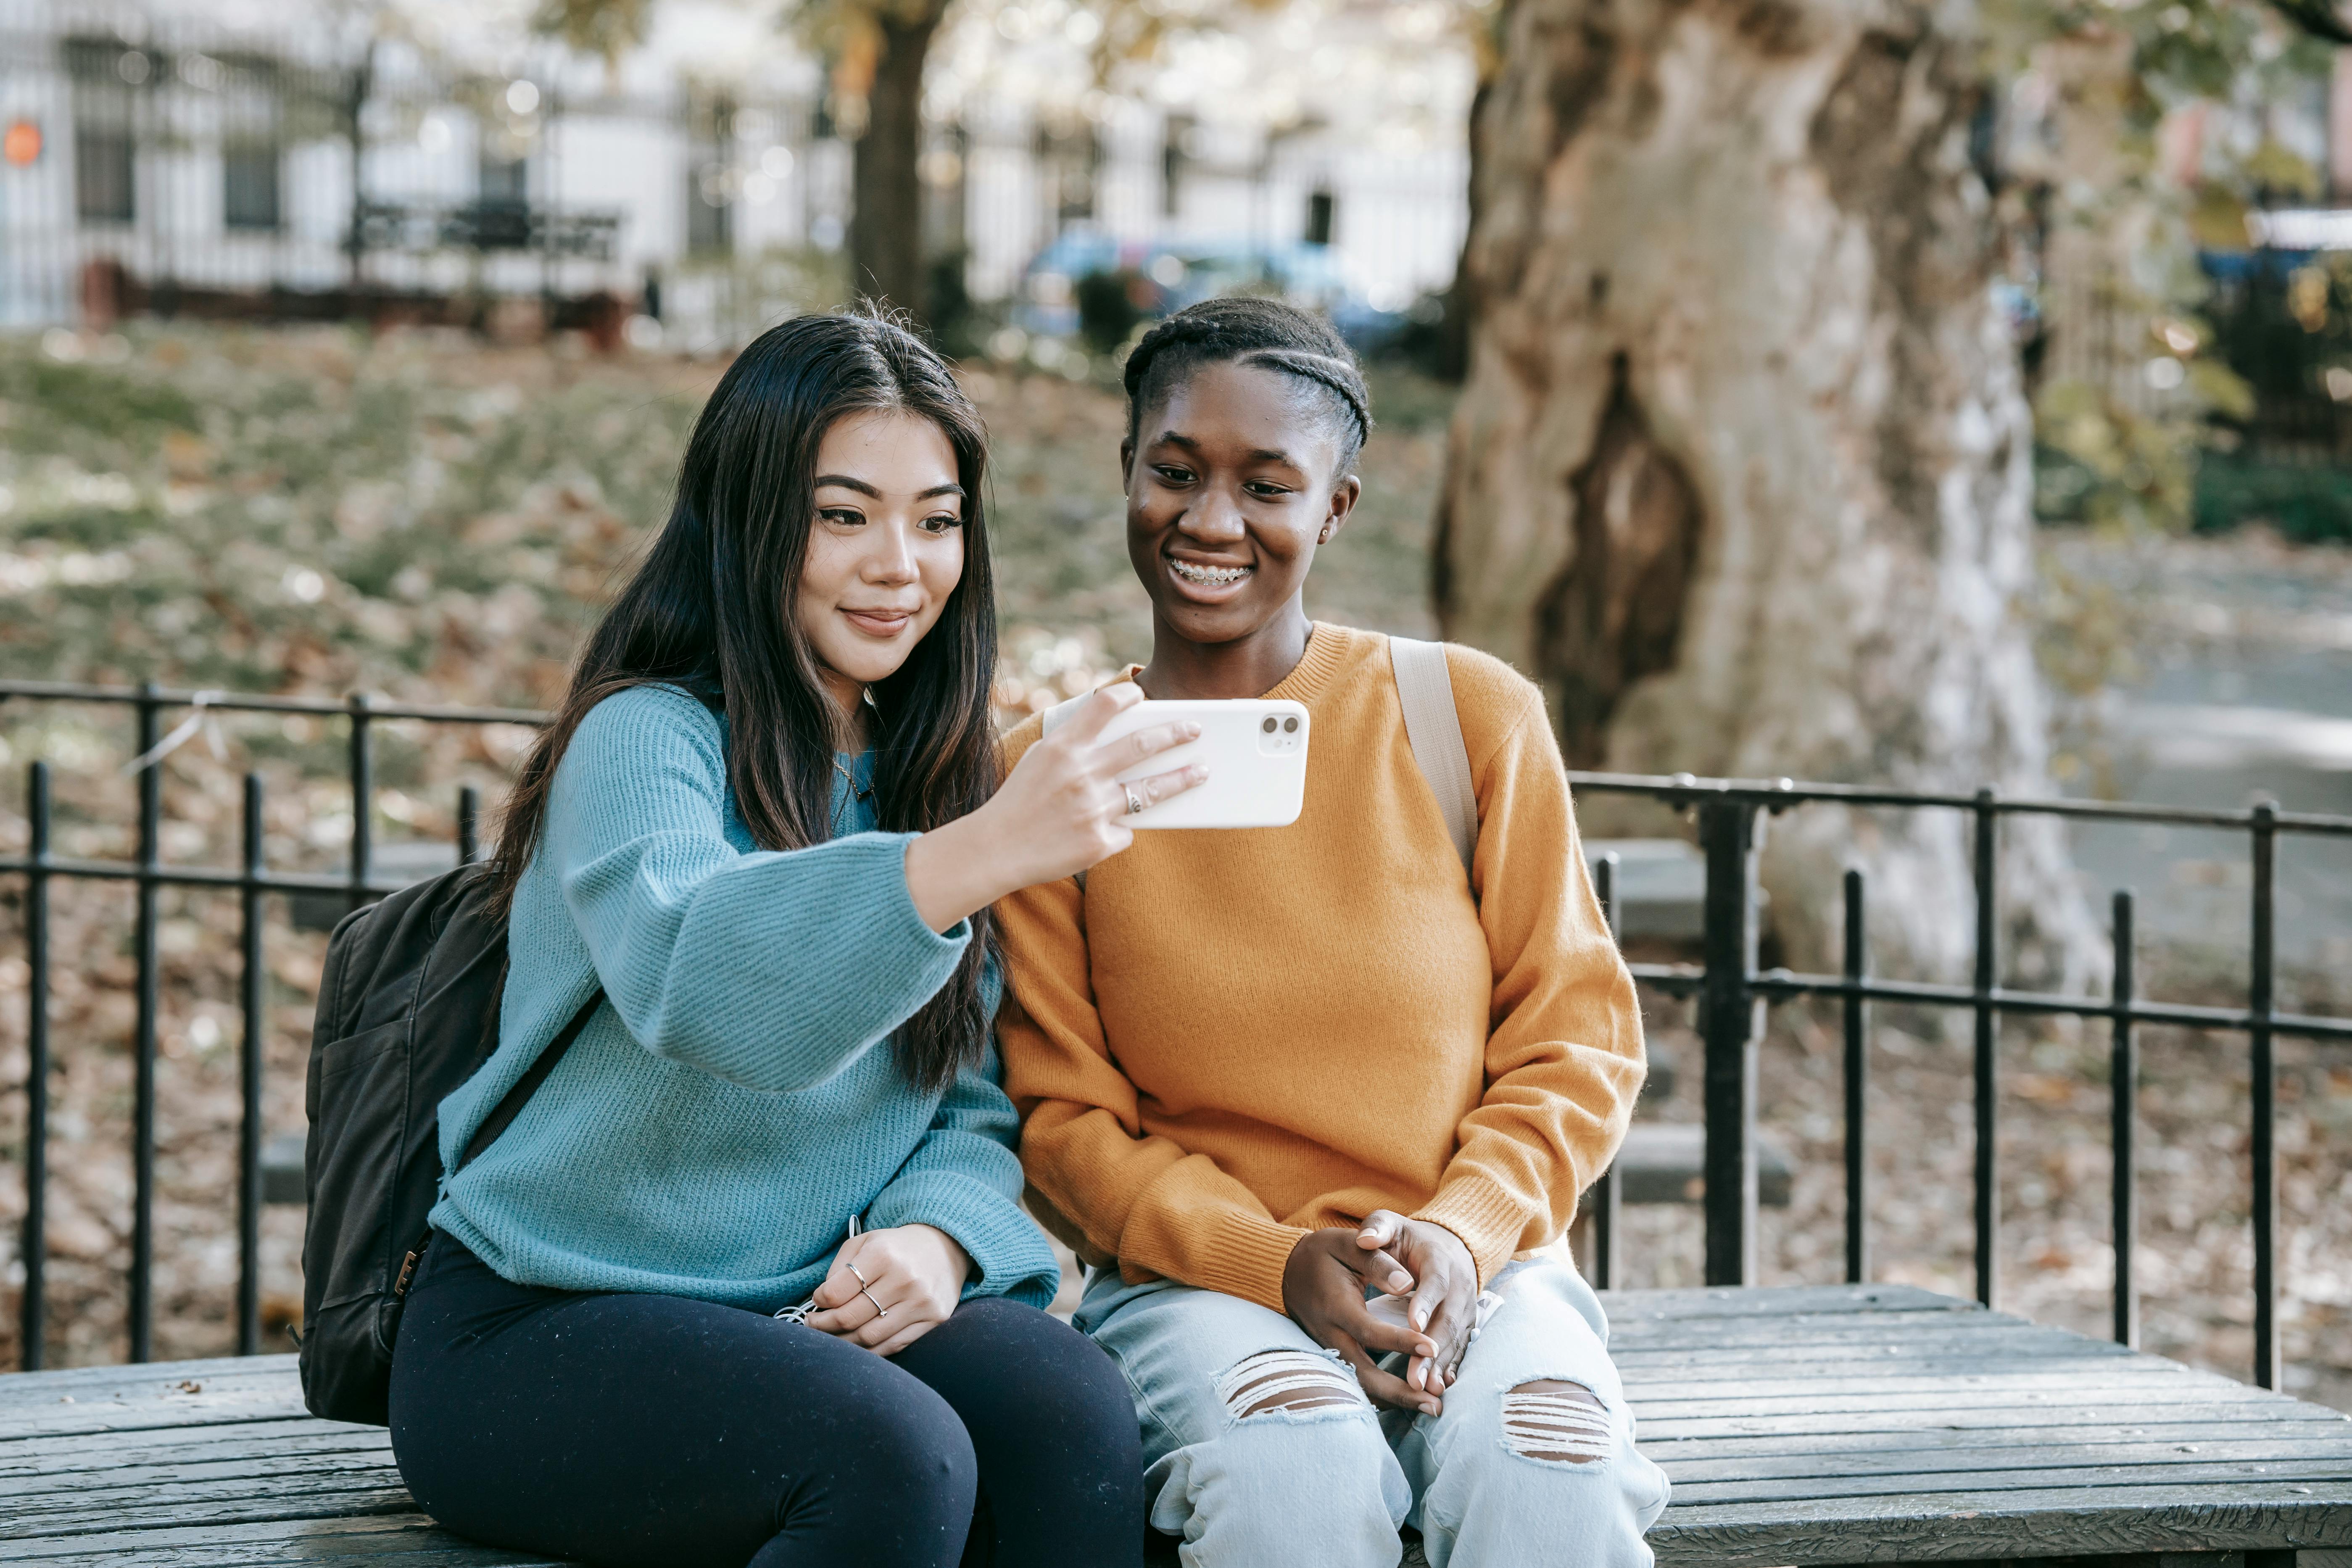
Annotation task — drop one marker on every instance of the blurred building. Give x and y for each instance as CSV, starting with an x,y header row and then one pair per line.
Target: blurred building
x,y
252,157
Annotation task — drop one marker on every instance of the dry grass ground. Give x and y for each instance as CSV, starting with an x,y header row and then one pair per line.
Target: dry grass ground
x,y
420,517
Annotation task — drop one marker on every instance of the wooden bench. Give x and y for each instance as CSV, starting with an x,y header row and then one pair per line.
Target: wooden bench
x,y
1839,1424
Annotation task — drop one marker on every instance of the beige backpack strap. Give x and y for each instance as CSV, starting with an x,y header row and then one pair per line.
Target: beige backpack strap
x,y
1425,688
1053,717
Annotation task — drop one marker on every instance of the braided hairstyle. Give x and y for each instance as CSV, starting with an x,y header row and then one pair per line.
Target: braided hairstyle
x,y
1266,334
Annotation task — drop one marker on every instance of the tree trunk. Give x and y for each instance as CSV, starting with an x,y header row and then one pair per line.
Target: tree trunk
x,y
886,224
1742,468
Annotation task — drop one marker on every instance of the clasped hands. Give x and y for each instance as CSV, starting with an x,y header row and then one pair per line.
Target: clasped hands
x,y
889,1287
1323,1285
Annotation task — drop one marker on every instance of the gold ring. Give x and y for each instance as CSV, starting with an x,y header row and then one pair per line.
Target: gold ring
x,y
879,1310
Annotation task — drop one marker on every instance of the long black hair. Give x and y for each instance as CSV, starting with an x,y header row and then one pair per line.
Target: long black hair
x,y
710,610
1269,334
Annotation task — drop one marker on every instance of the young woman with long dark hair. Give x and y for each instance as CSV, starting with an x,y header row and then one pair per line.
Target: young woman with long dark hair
x,y
1269,1073
747,1279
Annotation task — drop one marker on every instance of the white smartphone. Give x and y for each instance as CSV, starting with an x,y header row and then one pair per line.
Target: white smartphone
x,y
1255,749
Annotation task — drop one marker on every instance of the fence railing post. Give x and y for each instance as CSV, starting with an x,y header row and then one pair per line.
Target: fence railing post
x,y
1857,1087
1729,1022
32,1320
1607,1195
362,765
469,825
2122,1078
142,1134
2261,999
1987,1055
253,995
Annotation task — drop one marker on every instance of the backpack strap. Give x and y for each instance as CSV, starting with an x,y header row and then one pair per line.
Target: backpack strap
x,y
1425,690
510,1104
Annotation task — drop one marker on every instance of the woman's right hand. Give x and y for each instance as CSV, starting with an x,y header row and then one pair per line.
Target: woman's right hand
x,y
1061,810
1323,1285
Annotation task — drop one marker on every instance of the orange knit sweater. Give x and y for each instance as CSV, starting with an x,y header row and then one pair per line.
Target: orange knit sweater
x,y
1229,1038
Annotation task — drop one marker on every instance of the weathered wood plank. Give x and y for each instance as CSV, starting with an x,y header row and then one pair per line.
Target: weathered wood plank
x,y
2108,1483
1831,1334
326,1496
99,1453
2034,1344
1788,1300
2021,1405
1885,1369
2023,1370
160,1419
33,1507
185,1395
1962,1526
1982,1460
2045,1370
86,1383
409,1542
1857,1328
21,1496
1713,1423
1994,1444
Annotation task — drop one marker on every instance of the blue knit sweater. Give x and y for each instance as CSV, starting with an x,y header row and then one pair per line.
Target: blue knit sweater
x,y
739,1098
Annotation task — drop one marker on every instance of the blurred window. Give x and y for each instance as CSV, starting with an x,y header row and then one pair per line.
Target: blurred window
x,y
107,77
1320,209
102,173
504,179
710,212
249,185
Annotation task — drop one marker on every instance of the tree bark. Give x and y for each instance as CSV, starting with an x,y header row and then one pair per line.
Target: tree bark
x,y
1741,471
886,224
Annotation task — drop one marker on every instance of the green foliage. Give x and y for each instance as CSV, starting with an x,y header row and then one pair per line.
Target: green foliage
x,y
52,405
2094,195
608,28
2311,505
2288,333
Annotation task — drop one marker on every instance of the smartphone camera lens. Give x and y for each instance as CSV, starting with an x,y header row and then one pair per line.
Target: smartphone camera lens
x,y
1268,725
1291,726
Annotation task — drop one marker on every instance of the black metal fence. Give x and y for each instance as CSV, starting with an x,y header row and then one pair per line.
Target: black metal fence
x,y
1730,988
1732,991
253,879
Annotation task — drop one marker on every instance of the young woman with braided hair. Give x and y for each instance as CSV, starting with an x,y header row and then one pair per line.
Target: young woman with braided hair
x,y
1269,1074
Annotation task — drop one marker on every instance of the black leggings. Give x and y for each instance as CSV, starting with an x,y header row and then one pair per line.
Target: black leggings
x,y
624,1429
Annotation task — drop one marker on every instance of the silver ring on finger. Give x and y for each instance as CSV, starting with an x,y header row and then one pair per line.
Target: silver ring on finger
x,y
879,1310
1134,801
853,1268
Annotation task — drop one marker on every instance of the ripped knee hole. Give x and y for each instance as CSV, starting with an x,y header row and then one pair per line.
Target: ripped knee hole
x,y
1285,1379
1556,1422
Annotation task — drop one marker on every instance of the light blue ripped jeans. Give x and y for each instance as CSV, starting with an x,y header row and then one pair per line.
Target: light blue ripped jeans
x,y
1504,1477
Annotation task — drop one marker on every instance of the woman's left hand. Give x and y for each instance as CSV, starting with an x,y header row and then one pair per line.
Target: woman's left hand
x,y
889,1287
1445,1302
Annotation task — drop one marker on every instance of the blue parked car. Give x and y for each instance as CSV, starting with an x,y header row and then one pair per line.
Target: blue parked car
x,y
1167,275
1047,305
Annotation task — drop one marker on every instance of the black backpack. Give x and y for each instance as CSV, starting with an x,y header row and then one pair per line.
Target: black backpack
x,y
408,1009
